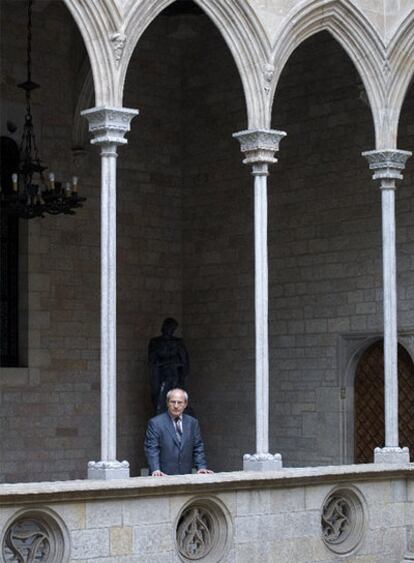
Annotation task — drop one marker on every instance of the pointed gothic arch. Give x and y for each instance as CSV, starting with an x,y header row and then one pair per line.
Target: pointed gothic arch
x,y
240,30
352,31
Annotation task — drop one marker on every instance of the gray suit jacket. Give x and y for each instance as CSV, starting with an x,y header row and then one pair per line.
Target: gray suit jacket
x,y
163,448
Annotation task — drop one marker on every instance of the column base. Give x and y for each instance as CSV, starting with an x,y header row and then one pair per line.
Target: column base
x,y
262,462
391,455
106,470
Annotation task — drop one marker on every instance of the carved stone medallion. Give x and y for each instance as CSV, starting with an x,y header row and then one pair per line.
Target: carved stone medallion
x,y
343,520
34,536
195,532
203,531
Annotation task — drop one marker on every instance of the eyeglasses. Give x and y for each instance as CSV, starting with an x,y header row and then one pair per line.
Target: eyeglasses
x,y
176,402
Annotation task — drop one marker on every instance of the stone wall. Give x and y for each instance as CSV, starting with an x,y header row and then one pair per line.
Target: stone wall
x,y
245,517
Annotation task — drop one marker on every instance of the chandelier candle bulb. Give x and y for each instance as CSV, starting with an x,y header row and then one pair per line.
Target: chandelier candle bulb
x,y
14,182
51,181
75,184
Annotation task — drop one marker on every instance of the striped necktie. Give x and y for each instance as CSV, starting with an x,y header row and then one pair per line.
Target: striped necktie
x,y
178,429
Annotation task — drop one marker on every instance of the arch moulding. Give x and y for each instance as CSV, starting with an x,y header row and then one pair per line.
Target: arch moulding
x,y
354,33
240,29
99,24
111,33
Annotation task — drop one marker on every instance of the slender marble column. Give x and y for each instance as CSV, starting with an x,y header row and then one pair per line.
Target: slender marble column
x,y
109,126
387,166
259,147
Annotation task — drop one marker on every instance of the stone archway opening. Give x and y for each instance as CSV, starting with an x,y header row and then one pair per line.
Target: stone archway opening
x,y
324,246
185,231
369,402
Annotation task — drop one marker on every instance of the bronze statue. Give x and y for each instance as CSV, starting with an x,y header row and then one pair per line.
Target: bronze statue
x,y
168,362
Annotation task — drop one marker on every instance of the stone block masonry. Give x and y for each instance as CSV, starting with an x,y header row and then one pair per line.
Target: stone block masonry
x,y
271,517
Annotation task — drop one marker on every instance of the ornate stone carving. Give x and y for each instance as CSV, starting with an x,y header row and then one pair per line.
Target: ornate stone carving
x,y
386,67
262,462
268,71
195,533
26,540
203,531
35,536
118,41
259,147
109,124
336,524
387,164
342,521
108,469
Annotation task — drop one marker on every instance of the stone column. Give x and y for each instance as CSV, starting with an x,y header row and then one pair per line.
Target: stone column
x,y
259,147
109,126
387,165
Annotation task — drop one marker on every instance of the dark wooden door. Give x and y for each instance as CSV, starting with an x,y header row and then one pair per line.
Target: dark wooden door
x,y
369,402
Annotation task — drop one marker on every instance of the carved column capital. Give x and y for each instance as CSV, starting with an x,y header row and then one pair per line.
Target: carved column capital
x,y
259,147
387,164
109,124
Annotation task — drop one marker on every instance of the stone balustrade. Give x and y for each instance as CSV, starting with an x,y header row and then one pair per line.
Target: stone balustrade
x,y
293,515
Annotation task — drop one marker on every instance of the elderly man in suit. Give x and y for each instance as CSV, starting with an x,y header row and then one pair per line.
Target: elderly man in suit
x,y
173,443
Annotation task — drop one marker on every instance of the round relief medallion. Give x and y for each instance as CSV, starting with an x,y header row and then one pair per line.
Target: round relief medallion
x,y
203,531
35,536
343,520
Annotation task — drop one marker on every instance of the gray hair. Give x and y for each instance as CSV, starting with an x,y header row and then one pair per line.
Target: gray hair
x,y
171,391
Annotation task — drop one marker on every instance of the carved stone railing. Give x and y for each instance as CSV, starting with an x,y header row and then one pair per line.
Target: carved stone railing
x,y
319,512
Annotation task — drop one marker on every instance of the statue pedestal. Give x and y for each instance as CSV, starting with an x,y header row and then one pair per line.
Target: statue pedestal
x,y
262,462
106,470
391,455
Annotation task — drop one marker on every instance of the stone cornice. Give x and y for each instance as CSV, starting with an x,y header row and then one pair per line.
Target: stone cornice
x,y
82,490
259,147
109,124
387,164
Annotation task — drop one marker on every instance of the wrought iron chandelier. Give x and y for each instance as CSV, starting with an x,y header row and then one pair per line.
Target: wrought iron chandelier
x,y
32,194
